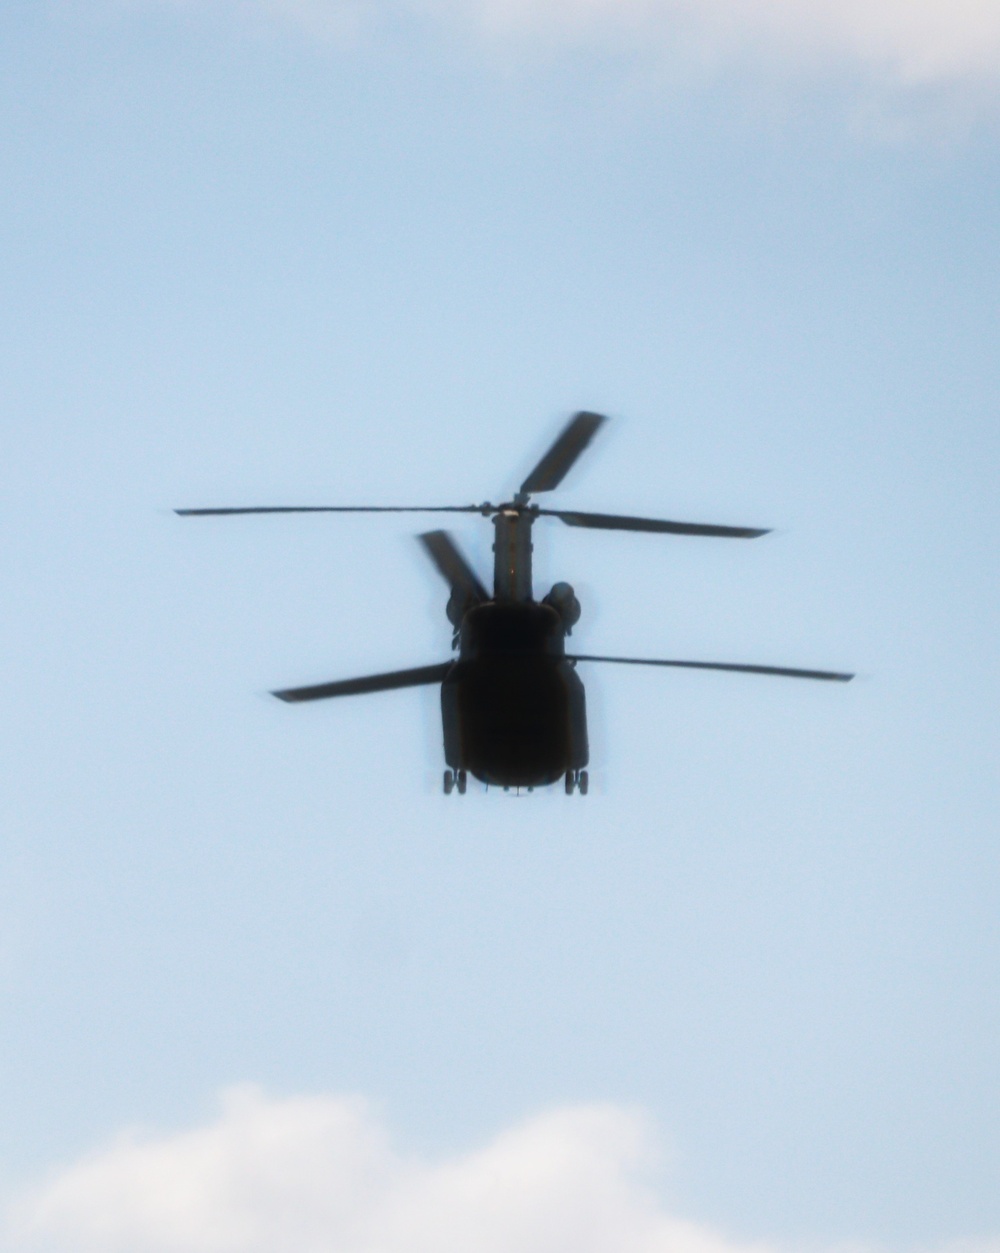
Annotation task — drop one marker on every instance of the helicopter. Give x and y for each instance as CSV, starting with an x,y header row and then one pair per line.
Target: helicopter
x,y
513,708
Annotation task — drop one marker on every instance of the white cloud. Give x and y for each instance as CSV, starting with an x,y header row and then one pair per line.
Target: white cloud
x,y
898,43
907,41
318,1175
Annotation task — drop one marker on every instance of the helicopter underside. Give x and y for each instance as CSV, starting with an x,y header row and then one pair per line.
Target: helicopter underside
x,y
514,721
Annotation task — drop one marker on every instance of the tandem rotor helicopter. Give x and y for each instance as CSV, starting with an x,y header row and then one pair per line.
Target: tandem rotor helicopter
x,y
512,704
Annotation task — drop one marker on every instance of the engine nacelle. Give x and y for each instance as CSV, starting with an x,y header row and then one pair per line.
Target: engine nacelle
x,y
563,600
459,604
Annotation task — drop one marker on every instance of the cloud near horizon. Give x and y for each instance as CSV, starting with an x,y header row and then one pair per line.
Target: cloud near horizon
x,y
319,1175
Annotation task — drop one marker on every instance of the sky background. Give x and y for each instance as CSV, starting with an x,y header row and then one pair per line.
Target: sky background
x,y
301,253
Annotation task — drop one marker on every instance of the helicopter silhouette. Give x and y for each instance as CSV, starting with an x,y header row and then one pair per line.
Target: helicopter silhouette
x,y
513,707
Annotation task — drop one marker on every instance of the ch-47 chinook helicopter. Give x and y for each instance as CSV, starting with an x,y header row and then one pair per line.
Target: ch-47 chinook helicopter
x,y
512,703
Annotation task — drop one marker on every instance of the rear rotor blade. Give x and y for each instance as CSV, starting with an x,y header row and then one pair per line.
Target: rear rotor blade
x,y
456,571
617,522
554,466
203,513
370,683
829,675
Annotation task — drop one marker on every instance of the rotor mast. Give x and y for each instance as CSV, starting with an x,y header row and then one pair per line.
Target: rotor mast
x,y
512,522
512,551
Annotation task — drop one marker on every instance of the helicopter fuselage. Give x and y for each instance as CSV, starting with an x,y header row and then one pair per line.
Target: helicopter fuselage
x,y
512,704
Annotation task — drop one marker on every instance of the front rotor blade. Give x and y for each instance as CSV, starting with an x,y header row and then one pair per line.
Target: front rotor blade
x,y
203,513
617,522
455,570
370,683
553,467
829,675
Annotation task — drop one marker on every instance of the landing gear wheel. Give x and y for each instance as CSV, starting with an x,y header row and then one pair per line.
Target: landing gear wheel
x,y
583,782
461,780
449,781
570,782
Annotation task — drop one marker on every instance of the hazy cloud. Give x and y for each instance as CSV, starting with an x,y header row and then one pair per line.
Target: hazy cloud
x,y
319,1175
905,43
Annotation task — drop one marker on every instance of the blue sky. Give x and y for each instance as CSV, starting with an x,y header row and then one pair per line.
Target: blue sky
x,y
303,254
